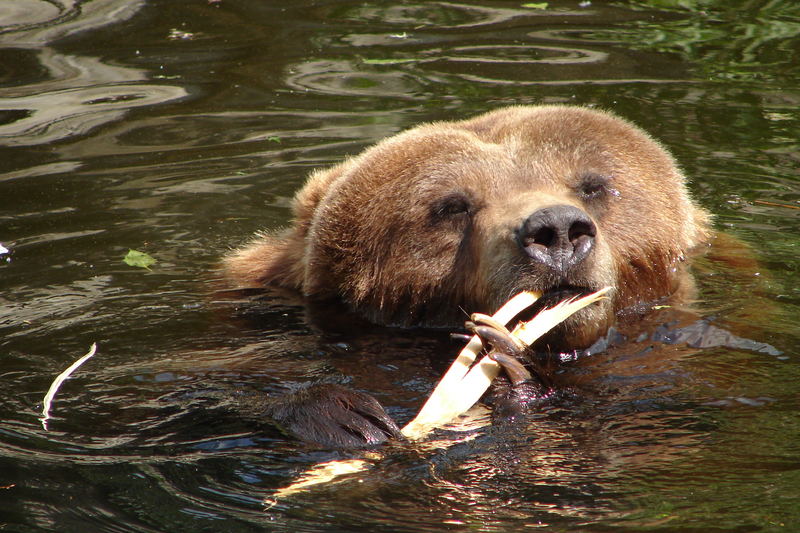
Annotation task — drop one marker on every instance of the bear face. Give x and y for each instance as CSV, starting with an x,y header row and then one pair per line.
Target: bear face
x,y
456,217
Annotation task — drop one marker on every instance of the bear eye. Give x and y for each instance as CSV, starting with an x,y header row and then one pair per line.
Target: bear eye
x,y
451,206
595,186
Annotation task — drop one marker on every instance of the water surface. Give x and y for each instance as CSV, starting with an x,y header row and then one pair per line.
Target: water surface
x,y
179,128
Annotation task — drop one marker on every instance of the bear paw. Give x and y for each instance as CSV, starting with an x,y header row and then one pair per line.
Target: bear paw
x,y
526,389
333,417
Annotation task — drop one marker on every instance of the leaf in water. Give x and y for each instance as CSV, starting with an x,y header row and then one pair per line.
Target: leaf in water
x,y
387,61
536,5
139,259
274,139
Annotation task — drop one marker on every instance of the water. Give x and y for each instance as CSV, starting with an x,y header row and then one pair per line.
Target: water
x,y
179,128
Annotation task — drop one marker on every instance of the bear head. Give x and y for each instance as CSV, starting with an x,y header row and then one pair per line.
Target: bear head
x,y
450,218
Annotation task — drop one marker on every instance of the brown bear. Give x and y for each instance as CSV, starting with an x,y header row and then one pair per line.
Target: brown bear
x,y
450,218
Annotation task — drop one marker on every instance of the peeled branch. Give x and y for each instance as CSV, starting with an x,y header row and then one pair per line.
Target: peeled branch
x,y
454,394
464,383
51,393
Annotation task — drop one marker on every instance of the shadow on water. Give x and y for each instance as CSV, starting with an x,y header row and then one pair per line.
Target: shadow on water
x,y
179,128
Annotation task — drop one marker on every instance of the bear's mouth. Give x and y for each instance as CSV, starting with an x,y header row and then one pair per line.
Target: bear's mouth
x,y
554,295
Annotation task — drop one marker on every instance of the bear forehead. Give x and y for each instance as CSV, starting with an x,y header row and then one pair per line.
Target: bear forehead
x,y
443,154
495,157
551,136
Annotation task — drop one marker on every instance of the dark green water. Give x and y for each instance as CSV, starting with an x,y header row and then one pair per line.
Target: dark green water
x,y
180,127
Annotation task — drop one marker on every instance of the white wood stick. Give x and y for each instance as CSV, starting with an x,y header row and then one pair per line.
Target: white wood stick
x,y
51,393
465,386
444,403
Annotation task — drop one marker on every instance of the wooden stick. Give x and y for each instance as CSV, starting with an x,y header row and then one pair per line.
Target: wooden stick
x,y
461,387
51,393
444,404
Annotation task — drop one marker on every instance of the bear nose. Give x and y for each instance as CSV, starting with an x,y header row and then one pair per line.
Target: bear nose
x,y
559,237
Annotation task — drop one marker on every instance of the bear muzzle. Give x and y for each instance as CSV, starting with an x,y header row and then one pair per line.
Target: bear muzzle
x,y
558,237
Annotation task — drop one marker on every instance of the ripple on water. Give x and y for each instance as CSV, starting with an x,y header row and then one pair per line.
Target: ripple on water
x,y
73,93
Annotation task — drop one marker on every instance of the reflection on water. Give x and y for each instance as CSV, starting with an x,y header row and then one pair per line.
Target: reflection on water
x,y
344,78
179,128
73,94
53,115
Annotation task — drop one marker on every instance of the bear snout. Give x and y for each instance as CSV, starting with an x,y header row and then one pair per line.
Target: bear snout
x,y
559,237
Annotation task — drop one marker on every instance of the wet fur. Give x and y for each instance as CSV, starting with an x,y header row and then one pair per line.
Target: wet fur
x,y
363,230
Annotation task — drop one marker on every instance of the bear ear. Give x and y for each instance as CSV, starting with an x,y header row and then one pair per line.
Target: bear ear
x,y
280,258
269,259
701,227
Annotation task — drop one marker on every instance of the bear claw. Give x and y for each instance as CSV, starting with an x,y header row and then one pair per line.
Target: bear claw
x,y
515,370
505,349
